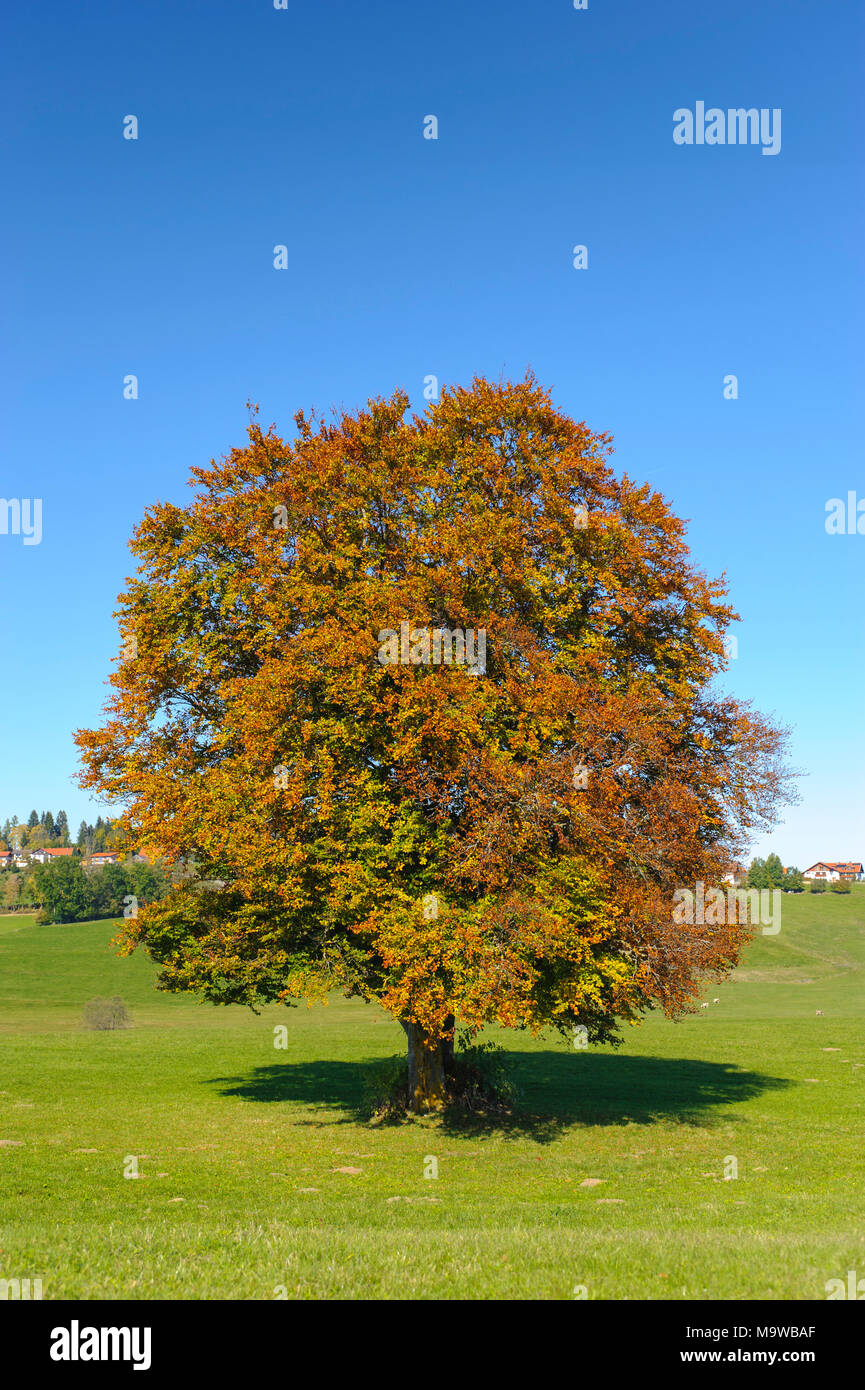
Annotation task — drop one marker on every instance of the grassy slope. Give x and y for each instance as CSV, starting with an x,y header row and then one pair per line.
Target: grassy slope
x,y
230,1132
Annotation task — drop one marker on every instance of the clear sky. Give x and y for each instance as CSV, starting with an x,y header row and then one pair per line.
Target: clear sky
x,y
407,257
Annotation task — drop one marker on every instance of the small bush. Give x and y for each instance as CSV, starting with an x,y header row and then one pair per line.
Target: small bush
x,y
818,886
385,1088
841,887
106,1013
43,918
481,1078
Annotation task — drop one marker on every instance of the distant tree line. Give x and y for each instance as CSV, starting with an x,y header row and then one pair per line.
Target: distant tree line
x,y
769,873
101,836
48,832
66,891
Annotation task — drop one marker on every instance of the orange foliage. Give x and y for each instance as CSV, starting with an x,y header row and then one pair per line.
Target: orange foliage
x,y
258,731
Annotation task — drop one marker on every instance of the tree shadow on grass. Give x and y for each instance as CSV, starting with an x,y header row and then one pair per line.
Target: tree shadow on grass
x,y
557,1090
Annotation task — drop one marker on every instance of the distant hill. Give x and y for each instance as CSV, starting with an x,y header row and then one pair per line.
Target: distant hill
x,y
817,960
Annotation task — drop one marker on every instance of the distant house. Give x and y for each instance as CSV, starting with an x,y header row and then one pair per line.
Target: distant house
x,y
833,870
152,854
45,856
7,858
106,856
736,874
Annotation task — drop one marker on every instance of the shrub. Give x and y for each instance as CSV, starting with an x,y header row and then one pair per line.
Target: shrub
x,y
106,1013
818,886
385,1088
841,886
481,1079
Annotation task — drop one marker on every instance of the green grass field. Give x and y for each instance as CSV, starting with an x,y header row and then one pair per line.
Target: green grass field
x,y
261,1177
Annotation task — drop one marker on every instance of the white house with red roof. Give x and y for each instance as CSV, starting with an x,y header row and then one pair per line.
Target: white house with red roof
x,y
45,856
835,870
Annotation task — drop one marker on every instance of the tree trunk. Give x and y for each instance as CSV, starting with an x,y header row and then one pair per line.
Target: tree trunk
x,y
448,1046
426,1070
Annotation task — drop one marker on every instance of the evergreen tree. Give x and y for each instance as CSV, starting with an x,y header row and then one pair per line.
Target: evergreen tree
x,y
32,821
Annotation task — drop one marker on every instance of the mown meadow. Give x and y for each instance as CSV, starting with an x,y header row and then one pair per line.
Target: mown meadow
x,y
261,1174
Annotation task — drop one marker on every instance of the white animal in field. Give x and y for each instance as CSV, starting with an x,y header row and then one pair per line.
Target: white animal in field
x,y
704,1006
716,1001
819,1013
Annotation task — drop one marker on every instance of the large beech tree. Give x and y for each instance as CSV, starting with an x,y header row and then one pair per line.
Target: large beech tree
x,y
480,845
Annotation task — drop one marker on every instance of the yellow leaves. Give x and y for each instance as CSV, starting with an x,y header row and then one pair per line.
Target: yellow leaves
x,y
518,965
311,985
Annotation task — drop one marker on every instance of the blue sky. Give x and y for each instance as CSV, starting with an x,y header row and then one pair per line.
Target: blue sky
x,y
410,257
